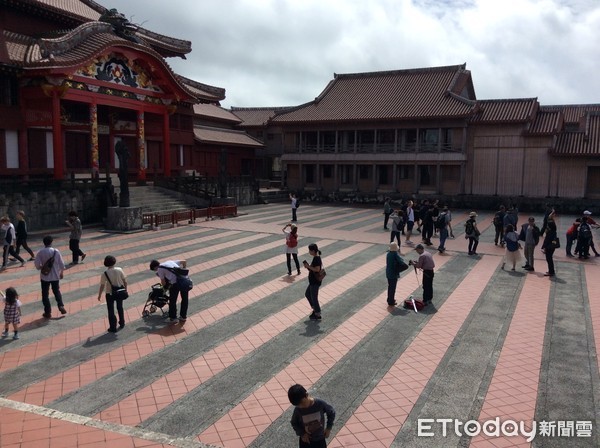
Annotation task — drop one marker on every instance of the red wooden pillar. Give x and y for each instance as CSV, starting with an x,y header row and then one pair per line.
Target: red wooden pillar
x,y
166,146
94,138
141,145
57,141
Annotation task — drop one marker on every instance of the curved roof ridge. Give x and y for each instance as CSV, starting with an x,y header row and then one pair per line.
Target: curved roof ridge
x,y
217,91
402,71
63,44
237,108
504,100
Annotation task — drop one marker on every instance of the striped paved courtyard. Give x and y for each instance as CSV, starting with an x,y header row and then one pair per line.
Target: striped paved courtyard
x,y
496,347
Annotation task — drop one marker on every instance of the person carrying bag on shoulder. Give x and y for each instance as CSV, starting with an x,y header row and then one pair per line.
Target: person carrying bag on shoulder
x,y
115,283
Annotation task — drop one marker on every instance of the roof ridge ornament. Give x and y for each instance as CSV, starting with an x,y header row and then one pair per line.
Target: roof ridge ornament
x,y
121,26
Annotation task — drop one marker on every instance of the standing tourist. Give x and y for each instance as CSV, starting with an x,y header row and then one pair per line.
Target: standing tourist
x,y
472,233
387,211
426,264
410,221
397,224
308,418
312,291
291,247
512,255
499,226
294,200
442,223
530,234
550,244
52,278
392,272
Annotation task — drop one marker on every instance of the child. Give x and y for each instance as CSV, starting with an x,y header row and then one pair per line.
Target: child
x,y
308,419
22,235
12,312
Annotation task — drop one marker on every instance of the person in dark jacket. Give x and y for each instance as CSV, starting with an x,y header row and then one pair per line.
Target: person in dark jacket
x,y
549,245
308,418
21,230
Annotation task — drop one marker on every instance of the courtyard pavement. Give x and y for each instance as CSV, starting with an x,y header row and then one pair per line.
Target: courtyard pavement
x,y
497,347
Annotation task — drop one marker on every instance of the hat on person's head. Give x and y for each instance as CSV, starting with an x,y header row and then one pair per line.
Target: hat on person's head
x,y
420,246
587,213
472,215
394,247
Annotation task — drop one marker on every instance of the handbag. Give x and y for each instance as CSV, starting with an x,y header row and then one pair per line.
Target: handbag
x,y
117,292
321,274
556,243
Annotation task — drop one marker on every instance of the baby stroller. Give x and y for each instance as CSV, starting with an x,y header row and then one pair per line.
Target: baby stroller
x,y
157,298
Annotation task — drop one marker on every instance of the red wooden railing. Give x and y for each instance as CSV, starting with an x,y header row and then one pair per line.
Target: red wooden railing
x,y
155,220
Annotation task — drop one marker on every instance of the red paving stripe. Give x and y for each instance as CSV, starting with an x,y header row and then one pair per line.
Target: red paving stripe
x,y
512,393
34,428
154,397
592,279
83,374
30,352
386,408
69,283
240,426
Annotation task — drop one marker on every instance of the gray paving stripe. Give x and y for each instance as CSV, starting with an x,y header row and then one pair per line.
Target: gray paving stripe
x,y
309,213
91,399
349,382
42,368
203,406
42,328
569,380
460,382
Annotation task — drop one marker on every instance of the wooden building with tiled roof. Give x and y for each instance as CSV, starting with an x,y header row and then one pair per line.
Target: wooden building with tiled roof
x,y
76,78
423,131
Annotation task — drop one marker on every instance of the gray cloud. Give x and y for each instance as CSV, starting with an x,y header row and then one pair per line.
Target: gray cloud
x,y
284,52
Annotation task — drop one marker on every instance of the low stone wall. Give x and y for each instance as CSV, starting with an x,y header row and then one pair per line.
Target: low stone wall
x,y
49,209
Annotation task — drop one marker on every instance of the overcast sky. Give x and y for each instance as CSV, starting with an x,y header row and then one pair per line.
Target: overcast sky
x,y
284,52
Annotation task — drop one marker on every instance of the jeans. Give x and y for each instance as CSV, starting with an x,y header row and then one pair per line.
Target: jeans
x,y
74,247
312,295
173,294
112,319
294,218
528,252
443,238
46,294
391,296
395,234
288,258
427,286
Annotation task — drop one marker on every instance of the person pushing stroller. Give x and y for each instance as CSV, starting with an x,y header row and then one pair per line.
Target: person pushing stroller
x,y
167,273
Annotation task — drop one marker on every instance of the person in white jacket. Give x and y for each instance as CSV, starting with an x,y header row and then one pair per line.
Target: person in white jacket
x,y
9,242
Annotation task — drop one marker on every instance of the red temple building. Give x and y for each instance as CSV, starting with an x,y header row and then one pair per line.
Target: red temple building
x,y
77,78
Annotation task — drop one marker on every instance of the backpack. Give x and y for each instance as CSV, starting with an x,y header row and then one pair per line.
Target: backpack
x,y
292,241
440,222
402,266
48,264
3,233
469,229
585,231
184,282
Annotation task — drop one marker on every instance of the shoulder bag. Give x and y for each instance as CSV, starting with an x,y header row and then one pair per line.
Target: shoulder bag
x,y
117,292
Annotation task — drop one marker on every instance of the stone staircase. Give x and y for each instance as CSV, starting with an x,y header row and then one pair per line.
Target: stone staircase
x,y
154,199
